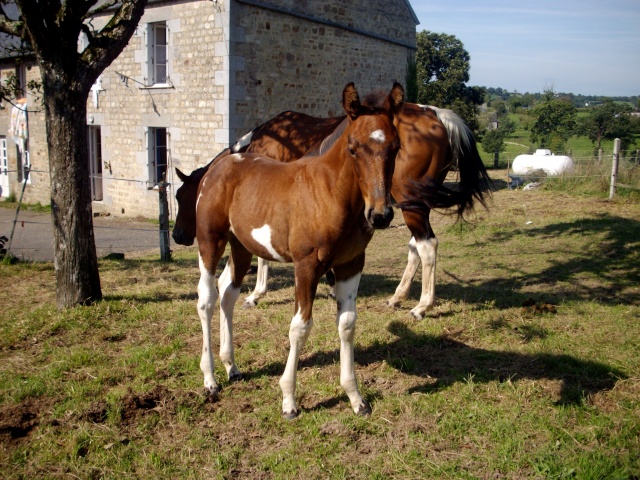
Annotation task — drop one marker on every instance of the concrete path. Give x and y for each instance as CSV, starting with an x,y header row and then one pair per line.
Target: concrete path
x,y
33,237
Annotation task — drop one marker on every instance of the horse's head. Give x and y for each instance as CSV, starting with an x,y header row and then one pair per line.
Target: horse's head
x,y
184,230
372,143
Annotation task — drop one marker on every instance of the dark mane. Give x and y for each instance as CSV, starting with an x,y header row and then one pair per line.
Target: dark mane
x,y
328,142
375,99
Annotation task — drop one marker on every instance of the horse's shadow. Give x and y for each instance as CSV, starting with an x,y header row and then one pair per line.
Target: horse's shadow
x,y
446,361
614,260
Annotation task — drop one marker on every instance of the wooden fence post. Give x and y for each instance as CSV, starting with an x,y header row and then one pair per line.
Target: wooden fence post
x,y
614,167
165,248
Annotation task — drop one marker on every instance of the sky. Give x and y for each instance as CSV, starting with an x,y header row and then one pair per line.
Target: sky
x,y
589,47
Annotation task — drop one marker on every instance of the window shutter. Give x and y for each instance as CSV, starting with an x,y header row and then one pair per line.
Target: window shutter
x,y
148,47
148,135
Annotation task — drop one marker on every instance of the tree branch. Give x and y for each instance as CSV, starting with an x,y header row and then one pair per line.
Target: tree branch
x,y
10,27
111,40
100,9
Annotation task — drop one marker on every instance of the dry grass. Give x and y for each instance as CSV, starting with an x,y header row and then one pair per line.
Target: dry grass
x,y
527,368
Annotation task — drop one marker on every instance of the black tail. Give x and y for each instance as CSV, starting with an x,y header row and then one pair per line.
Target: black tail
x,y
474,184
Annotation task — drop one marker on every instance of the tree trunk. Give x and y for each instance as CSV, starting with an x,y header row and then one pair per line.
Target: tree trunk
x,y
76,263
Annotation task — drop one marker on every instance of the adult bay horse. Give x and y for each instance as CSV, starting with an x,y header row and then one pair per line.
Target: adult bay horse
x,y
432,141
318,212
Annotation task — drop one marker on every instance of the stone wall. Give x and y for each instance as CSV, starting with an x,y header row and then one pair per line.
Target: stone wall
x,y
233,64
294,63
38,186
187,108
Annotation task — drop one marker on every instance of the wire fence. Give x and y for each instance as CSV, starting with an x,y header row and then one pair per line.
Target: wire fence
x,y
614,170
33,237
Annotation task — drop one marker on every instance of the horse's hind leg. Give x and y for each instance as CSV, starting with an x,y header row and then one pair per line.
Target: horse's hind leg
x,y
427,249
423,248
229,288
402,291
261,284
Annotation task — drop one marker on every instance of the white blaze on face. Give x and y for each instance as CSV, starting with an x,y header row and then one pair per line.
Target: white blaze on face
x,y
243,142
262,235
378,136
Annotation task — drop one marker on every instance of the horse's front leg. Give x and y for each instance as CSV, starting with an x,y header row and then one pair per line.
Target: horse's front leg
x,y
207,296
346,288
261,284
306,285
229,286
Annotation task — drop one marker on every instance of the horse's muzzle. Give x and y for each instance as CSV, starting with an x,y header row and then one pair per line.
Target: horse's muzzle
x,y
380,220
181,238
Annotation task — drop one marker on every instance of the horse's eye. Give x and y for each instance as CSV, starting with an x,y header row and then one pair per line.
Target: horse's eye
x,y
352,151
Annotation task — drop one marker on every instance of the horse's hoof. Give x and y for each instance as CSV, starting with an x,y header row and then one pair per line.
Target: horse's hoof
x,y
235,377
290,415
249,304
417,315
393,303
212,392
364,410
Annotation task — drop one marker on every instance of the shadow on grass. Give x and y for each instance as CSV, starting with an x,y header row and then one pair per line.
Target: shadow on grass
x,y
614,260
446,361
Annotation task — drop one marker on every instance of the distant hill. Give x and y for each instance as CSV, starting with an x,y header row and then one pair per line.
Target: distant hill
x,y
578,101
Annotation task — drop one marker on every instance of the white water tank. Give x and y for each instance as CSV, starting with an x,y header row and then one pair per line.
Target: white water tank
x,y
544,160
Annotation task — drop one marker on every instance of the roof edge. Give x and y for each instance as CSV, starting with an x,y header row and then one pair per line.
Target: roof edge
x,y
413,14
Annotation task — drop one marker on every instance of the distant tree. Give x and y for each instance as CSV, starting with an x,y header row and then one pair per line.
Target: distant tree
x,y
607,121
500,107
442,68
52,29
554,123
493,141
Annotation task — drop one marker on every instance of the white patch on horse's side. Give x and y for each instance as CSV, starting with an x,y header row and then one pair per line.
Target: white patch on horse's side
x,y
237,157
378,136
243,142
262,235
204,182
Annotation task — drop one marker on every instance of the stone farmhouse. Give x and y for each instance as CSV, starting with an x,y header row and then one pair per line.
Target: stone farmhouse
x,y
195,77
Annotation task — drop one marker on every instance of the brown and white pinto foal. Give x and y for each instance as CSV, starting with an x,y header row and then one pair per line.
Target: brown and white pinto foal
x,y
318,212
432,141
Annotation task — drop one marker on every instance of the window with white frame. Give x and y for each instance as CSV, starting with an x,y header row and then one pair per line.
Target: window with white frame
x,y
157,53
157,140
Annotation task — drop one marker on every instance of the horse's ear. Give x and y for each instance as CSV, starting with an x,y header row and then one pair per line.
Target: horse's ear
x,y
351,100
181,175
396,97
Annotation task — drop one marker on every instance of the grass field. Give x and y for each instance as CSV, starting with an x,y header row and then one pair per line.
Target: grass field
x,y
528,367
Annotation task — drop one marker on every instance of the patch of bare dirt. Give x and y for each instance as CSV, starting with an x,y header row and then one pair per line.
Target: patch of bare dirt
x,y
17,421
135,405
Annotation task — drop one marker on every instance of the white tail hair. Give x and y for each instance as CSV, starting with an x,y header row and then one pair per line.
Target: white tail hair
x,y
460,135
